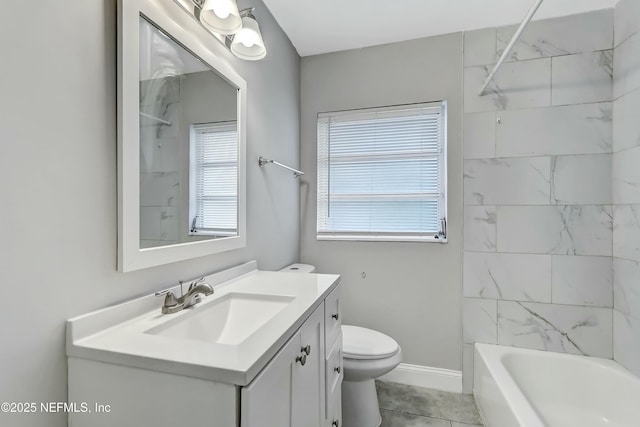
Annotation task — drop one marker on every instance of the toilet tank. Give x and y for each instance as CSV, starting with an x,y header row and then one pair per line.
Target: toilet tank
x,y
299,268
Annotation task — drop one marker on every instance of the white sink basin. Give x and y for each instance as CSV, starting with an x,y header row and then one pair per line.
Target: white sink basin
x,y
230,319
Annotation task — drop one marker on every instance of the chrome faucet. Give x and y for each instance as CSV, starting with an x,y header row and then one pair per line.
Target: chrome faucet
x,y
173,304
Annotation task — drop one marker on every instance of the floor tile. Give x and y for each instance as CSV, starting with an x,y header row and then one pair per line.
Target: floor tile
x,y
428,403
399,419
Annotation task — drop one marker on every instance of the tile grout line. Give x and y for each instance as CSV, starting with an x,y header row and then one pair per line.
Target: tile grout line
x,y
541,156
544,254
424,416
428,417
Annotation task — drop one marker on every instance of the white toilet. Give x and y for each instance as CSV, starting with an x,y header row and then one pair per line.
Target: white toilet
x,y
366,354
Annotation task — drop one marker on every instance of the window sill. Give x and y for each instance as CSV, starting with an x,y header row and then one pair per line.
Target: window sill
x,y
383,238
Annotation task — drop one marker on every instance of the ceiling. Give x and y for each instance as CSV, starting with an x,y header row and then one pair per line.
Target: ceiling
x,y
321,26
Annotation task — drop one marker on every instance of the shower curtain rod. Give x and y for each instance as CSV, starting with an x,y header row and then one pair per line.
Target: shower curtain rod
x,y
512,43
157,119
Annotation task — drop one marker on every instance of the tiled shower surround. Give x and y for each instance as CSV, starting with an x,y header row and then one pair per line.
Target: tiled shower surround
x,y
540,218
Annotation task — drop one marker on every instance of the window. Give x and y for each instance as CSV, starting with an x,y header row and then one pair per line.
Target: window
x,y
382,174
213,181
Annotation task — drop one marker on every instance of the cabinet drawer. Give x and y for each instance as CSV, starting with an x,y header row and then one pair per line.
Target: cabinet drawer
x,y
332,318
334,373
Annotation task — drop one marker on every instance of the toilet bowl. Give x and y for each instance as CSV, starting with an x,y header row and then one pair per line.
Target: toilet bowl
x,y
367,354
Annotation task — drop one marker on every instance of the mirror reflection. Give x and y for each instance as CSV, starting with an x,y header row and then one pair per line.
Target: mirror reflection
x,y
188,145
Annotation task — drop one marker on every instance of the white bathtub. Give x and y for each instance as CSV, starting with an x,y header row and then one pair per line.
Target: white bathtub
x,y
527,388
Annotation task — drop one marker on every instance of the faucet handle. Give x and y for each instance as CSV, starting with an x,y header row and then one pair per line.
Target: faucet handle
x,y
169,297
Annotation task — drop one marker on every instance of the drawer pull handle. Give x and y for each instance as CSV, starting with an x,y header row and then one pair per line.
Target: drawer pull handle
x,y
335,316
302,359
337,369
306,349
335,423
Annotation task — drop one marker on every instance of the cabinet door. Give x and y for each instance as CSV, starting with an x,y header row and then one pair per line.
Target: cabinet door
x,y
335,416
266,402
308,386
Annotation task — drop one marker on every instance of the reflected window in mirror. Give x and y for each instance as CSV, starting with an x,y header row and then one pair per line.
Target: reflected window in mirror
x,y
213,204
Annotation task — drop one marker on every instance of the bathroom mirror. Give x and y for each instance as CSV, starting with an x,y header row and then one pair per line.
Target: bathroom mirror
x,y
181,141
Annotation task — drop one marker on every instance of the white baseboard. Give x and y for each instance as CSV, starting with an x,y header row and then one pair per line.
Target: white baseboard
x,y
426,376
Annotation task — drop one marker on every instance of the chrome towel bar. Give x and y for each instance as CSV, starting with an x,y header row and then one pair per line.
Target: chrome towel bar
x,y
296,173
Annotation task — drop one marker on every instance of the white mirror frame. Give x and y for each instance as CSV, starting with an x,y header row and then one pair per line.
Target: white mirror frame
x,y
167,15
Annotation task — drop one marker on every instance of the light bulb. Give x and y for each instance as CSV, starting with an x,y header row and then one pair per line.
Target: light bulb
x,y
247,37
221,16
247,43
222,10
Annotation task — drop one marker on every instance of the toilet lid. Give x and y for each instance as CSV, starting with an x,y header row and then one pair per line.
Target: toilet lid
x,y
363,343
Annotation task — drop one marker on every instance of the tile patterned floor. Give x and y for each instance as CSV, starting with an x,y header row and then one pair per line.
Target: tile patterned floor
x,y
407,406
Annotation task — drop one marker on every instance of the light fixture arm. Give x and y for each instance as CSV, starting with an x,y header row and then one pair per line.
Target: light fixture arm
x,y
247,12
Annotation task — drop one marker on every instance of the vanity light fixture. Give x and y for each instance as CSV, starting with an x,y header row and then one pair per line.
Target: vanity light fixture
x,y
221,16
247,43
237,30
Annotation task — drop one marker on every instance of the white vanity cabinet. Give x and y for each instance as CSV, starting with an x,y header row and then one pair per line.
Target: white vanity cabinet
x,y
297,374
313,389
146,382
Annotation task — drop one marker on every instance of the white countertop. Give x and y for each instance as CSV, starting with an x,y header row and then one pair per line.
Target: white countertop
x,y
119,334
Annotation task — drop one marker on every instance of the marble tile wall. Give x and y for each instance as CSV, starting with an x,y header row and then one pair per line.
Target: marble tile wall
x,y
538,215
626,186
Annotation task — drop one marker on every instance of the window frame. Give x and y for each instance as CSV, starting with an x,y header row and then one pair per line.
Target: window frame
x,y
430,237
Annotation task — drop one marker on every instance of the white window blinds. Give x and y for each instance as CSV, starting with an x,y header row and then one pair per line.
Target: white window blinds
x,y
382,173
214,178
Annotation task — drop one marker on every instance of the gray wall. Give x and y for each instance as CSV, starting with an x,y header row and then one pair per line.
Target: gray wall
x,y
626,186
58,169
537,188
412,291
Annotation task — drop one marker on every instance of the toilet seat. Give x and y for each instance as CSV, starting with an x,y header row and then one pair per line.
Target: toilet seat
x,y
366,344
